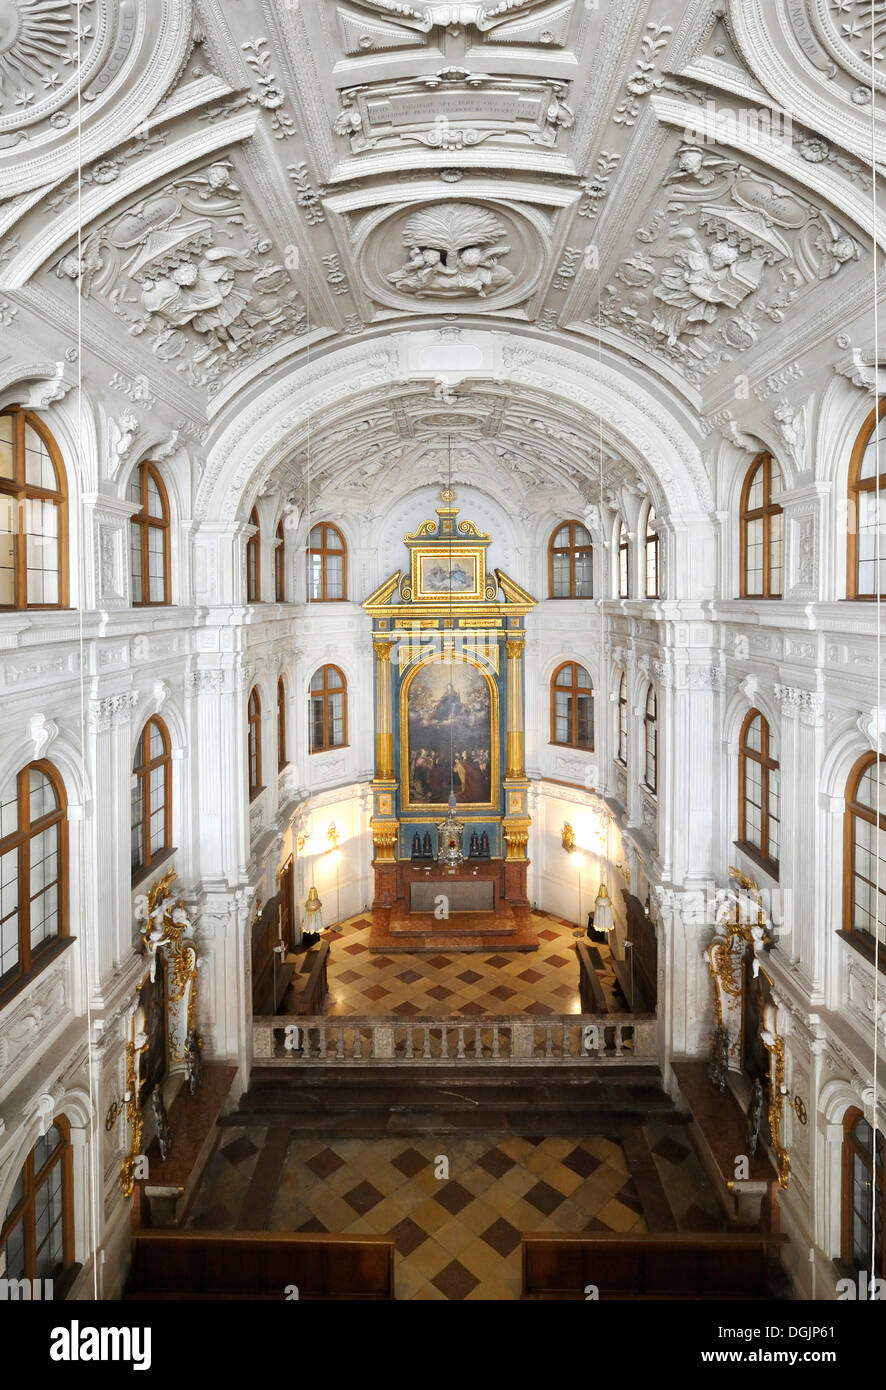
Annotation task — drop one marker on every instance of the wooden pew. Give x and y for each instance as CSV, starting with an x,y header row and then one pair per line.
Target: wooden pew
x,y
258,1265
593,1000
310,982
661,1265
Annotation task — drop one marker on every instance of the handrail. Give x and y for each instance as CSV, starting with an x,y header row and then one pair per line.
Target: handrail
x,y
320,1040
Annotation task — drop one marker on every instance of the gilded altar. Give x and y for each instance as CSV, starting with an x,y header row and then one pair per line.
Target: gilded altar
x,y
448,636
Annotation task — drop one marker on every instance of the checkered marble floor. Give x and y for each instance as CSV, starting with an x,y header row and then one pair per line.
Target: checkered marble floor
x,y
543,983
457,1236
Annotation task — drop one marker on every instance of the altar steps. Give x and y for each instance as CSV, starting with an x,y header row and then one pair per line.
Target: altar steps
x,y
371,1102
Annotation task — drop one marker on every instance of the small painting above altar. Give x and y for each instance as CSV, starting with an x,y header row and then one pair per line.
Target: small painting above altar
x,y
456,575
449,721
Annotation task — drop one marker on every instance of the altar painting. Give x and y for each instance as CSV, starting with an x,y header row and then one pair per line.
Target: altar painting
x,y
449,728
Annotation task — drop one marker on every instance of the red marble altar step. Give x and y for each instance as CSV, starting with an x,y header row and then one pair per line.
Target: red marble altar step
x,y
507,929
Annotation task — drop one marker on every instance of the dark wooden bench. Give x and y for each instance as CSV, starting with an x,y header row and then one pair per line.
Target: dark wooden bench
x,y
661,1265
641,1003
309,982
593,1000
248,1264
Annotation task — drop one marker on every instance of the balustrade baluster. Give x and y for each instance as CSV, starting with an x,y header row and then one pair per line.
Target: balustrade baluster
x,y
409,1053
549,1040
444,1041
496,1047
321,1041
340,1044
460,1050
618,1038
426,1050
357,1054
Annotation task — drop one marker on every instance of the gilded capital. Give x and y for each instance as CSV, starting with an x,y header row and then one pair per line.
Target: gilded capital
x,y
383,650
514,647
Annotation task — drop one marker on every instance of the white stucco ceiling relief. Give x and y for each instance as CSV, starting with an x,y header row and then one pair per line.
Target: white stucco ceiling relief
x,y
281,207
77,76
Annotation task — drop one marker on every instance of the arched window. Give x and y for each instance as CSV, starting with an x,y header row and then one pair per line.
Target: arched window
x,y
762,530
327,564
572,706
253,561
653,576
33,869
864,1196
759,811
151,797
279,565
33,514
624,562
623,720
571,562
149,538
328,709
864,873
866,550
253,743
650,727
281,724
37,1234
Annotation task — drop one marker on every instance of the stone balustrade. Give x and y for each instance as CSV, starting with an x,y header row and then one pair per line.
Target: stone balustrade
x,y
569,1038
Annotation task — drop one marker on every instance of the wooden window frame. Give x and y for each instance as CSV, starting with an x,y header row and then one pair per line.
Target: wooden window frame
x,y
31,963
876,484
253,739
279,564
652,542
33,1182
650,721
622,753
323,550
575,690
253,560
765,513
571,550
851,1148
325,692
22,492
767,764
282,759
146,523
857,936
143,773
624,548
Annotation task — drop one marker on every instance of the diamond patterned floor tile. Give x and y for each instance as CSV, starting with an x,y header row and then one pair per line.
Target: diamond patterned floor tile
x,y
544,1197
363,1197
453,1197
455,1282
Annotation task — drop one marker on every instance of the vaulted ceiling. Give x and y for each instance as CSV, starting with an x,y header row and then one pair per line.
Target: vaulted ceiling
x,y
214,194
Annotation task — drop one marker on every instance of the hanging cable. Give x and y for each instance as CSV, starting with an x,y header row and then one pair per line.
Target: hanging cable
x,y
878,562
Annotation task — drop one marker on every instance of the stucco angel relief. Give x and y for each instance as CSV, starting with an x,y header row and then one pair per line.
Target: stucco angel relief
x,y
454,251
198,289
700,282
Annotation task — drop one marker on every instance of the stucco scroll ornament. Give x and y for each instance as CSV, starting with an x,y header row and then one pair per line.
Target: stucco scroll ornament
x,y
452,17
873,725
454,250
790,421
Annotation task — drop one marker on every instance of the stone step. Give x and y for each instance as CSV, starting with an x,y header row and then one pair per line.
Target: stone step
x,y
375,1100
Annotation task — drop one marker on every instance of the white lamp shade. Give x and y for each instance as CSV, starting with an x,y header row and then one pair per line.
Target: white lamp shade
x,y
603,918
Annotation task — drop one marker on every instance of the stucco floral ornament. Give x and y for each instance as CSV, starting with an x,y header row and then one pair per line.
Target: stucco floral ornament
x,y
815,150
